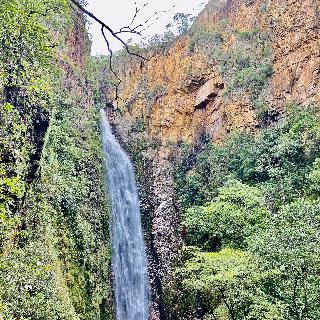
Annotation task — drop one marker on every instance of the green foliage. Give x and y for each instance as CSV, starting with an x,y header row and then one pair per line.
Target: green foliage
x,y
100,83
208,41
246,63
30,286
277,278
65,228
73,180
261,226
54,242
182,22
27,80
228,284
279,160
314,177
251,78
178,27
199,175
27,64
236,212
290,244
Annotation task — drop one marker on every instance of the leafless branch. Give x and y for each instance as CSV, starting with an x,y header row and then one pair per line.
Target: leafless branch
x,y
106,27
116,35
131,29
110,61
136,29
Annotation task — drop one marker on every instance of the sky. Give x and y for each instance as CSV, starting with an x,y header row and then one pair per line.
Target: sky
x,y
119,13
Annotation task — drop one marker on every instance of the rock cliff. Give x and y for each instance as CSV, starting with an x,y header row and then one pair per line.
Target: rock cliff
x,y
237,68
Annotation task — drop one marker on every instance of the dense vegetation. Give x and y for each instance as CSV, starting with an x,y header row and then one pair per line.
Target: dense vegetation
x,y
251,209
252,219
54,243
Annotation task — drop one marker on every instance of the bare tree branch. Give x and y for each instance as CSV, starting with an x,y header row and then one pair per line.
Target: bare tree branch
x,y
104,26
110,61
116,35
131,29
135,29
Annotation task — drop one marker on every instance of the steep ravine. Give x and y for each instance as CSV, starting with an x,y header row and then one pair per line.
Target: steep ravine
x,y
222,128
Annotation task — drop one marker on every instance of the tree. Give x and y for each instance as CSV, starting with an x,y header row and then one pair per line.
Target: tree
x,y
229,285
50,165
234,215
290,244
28,77
183,22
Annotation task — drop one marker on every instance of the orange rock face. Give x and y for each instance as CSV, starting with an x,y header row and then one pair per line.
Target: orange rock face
x,y
186,93
296,48
189,100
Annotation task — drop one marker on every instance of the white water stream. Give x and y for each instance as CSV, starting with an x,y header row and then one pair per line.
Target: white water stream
x,y
129,261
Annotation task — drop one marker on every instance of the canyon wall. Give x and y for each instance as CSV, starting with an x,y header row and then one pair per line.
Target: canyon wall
x,y
238,68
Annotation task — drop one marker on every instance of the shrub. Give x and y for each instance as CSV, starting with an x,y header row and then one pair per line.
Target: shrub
x,y
262,229
278,160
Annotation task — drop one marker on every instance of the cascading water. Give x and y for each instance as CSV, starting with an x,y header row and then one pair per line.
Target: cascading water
x,y
129,261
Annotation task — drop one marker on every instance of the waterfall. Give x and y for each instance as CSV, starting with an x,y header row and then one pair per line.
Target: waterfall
x,y
129,262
